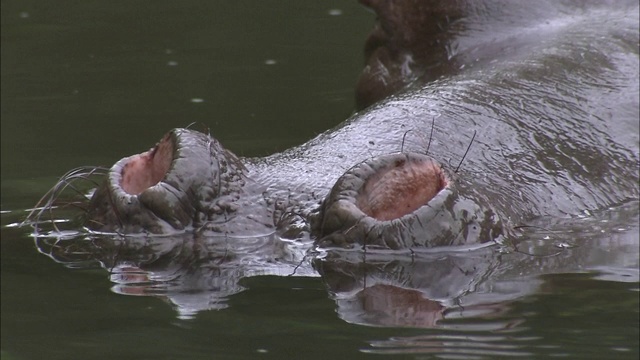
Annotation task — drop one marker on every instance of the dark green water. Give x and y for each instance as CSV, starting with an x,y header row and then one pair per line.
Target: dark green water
x,y
86,83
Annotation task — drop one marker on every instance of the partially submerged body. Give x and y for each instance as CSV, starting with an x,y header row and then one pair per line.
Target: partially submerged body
x,y
554,102
553,116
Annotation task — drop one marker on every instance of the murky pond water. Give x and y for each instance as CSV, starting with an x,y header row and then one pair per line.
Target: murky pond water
x,y
86,83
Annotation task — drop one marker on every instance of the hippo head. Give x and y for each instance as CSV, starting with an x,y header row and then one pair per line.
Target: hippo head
x,y
181,181
400,201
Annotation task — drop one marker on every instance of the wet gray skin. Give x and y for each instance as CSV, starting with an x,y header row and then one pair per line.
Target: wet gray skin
x,y
554,102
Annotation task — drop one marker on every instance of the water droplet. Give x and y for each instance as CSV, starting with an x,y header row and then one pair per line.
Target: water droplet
x,y
335,12
172,63
270,62
197,100
564,245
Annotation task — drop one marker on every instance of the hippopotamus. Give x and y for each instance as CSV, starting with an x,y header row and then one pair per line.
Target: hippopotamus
x,y
545,101
543,95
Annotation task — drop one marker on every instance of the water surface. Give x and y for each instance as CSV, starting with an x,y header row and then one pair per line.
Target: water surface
x,y
88,83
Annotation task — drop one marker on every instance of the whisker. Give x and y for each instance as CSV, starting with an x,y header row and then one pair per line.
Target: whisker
x,y
47,202
465,153
403,138
433,121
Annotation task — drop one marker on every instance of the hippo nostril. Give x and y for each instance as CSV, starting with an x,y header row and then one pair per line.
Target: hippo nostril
x,y
401,188
144,170
383,201
158,191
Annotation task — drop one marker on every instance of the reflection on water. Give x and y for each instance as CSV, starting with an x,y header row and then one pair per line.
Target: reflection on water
x,y
469,296
192,273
